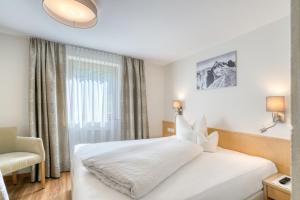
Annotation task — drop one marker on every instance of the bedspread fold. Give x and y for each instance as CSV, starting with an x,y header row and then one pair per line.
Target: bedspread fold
x,y
137,169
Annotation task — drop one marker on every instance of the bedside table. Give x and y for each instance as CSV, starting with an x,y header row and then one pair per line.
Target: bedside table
x,y
275,191
168,128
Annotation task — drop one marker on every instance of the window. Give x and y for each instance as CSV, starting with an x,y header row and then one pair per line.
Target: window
x,y
94,92
93,95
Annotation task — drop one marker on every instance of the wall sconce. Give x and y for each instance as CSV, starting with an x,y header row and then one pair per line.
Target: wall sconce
x,y
276,105
177,105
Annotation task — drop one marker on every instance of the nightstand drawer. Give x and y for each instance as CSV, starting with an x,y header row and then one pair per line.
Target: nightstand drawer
x,y
277,195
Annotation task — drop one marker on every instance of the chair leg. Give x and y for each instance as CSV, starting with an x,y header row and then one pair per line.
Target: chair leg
x,y
14,178
42,174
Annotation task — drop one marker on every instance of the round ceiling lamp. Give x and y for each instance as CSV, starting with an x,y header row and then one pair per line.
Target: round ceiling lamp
x,y
74,13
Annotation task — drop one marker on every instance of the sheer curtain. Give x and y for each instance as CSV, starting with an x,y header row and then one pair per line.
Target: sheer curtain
x,y
93,95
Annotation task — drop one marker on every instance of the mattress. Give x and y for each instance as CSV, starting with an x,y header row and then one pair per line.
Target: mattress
x,y
224,175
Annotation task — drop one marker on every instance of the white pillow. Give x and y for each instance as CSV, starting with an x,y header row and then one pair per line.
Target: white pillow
x,y
193,133
201,126
212,142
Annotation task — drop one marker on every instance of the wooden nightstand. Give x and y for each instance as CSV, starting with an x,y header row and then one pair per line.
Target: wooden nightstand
x,y
168,128
275,191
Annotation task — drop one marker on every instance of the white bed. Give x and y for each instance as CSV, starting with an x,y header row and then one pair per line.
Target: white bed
x,y
222,175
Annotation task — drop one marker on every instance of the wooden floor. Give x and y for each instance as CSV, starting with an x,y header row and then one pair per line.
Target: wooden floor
x,y
56,189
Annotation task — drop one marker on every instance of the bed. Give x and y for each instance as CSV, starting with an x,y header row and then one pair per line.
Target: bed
x,y
225,174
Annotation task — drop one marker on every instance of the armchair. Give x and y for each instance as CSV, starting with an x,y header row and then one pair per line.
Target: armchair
x,y
20,152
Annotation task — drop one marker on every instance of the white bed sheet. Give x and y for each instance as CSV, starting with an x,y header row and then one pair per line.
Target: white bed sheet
x,y
226,175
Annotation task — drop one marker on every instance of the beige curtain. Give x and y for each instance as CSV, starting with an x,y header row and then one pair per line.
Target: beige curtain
x,y
296,99
47,103
135,118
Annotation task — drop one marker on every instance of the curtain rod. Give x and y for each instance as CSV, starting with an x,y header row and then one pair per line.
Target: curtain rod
x,y
89,48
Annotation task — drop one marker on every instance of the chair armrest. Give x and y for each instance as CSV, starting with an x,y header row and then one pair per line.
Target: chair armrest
x,y
30,144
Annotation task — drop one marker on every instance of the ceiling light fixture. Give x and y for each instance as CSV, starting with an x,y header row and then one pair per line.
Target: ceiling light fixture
x,y
74,13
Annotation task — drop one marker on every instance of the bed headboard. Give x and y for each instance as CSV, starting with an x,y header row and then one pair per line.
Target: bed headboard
x,y
274,149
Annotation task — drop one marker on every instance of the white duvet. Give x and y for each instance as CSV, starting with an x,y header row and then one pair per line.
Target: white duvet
x,y
136,169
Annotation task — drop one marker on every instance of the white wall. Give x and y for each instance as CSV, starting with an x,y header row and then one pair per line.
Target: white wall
x,y
14,51
155,97
263,69
263,60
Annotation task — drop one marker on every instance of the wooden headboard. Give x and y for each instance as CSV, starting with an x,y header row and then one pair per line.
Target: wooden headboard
x,y
274,149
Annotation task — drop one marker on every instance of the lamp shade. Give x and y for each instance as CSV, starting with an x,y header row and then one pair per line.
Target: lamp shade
x,y
75,13
177,104
275,104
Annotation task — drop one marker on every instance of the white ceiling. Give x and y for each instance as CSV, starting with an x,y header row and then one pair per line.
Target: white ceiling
x,y
160,31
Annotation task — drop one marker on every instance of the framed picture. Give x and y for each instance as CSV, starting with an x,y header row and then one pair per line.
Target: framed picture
x,y
217,72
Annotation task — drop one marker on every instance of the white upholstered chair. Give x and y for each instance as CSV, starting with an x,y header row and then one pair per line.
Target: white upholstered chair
x,y
20,152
